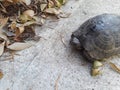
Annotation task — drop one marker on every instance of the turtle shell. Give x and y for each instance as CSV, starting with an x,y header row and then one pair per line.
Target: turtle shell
x,y
100,36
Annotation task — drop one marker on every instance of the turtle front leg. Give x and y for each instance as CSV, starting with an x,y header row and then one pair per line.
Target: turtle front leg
x,y
96,68
96,64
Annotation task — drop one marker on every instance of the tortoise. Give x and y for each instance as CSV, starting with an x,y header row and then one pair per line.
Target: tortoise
x,y
98,37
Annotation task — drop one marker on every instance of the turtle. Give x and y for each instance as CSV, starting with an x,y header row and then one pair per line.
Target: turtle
x,y
98,37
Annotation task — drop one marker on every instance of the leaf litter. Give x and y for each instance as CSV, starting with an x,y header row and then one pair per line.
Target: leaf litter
x,y
18,19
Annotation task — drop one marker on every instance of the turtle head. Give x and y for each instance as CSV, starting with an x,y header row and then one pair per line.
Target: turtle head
x,y
75,40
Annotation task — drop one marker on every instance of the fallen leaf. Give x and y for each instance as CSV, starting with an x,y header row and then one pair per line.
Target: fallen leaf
x,y
18,18
43,6
24,18
27,2
39,20
3,36
3,22
13,26
64,15
19,30
57,3
20,46
62,1
114,67
50,4
28,34
30,13
2,45
52,11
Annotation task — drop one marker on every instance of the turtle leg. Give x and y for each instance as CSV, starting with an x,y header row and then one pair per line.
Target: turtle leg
x,y
96,68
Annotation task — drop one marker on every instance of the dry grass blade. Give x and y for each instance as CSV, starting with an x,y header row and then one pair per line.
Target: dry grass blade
x,y
56,83
63,41
1,74
114,67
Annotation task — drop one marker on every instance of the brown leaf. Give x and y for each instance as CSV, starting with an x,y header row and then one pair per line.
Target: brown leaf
x,y
52,11
20,46
3,22
50,4
3,36
43,6
30,13
19,30
2,45
64,15
27,2
57,3
62,1
24,18
28,34
12,26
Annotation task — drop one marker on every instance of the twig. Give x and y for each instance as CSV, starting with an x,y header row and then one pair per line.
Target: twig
x,y
56,82
62,40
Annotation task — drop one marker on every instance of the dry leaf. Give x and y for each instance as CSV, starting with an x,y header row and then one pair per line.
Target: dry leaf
x,y
20,46
12,26
27,2
28,34
2,45
57,3
3,36
62,1
52,11
19,30
30,13
114,67
3,22
9,1
39,20
43,6
18,18
24,18
50,4
64,15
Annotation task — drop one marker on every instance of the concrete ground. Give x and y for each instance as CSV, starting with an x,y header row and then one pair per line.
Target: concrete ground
x,y
50,64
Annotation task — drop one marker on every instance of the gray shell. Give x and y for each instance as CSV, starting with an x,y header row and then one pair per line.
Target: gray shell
x,y
100,36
